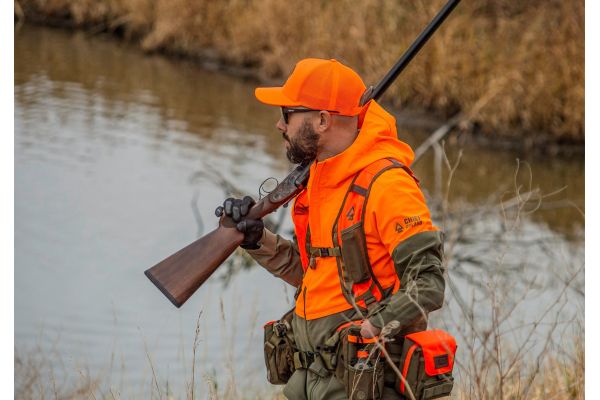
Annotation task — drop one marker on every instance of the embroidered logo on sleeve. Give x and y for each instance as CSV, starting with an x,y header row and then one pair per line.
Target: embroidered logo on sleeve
x,y
410,222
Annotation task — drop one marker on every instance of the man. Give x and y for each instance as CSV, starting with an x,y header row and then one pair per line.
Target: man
x,y
365,246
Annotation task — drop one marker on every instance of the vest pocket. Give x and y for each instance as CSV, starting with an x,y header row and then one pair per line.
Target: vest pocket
x,y
354,253
279,349
359,365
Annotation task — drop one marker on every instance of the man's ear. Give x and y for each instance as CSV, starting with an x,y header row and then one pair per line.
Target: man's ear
x,y
325,121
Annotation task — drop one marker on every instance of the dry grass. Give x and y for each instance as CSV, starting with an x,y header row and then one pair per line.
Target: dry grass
x,y
35,378
530,53
508,352
559,377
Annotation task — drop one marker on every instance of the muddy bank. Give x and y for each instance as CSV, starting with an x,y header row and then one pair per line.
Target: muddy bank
x,y
519,66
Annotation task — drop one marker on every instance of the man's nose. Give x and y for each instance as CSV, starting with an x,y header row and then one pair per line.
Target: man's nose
x,y
281,125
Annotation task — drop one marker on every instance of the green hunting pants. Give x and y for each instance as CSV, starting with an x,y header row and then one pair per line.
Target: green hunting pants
x,y
307,385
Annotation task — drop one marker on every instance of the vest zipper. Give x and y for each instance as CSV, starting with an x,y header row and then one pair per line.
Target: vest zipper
x,y
304,304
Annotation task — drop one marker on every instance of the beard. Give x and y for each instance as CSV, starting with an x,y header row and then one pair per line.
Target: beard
x,y
302,148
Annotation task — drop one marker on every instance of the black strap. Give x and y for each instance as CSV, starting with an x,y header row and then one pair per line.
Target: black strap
x,y
358,189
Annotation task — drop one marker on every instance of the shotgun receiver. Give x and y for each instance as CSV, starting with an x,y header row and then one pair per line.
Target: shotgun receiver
x,y
181,274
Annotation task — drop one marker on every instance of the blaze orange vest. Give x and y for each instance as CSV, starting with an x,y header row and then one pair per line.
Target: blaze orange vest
x,y
359,284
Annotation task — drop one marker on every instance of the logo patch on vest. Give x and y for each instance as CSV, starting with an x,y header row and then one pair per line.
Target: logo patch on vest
x,y
350,214
399,228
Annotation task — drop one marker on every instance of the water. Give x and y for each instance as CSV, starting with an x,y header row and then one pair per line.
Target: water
x,y
120,160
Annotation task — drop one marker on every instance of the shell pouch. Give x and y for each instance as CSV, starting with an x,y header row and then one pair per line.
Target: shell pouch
x,y
426,365
354,253
359,365
279,349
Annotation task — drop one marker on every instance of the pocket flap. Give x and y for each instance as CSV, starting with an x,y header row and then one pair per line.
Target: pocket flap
x,y
438,347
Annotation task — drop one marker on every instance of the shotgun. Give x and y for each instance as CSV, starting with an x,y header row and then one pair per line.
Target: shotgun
x,y
181,274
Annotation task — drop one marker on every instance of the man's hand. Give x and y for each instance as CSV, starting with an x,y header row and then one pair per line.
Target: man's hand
x,y
233,214
368,331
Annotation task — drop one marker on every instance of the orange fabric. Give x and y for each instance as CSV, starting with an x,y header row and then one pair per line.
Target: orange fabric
x,y
396,209
435,343
362,340
300,217
318,84
347,324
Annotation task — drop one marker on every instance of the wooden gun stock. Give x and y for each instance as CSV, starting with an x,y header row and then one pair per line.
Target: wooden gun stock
x,y
181,274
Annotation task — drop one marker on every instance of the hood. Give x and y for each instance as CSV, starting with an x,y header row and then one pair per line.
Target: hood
x,y
377,139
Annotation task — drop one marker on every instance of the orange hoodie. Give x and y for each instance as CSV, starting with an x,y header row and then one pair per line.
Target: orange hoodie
x,y
395,210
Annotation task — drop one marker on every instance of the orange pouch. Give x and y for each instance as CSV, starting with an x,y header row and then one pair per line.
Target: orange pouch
x,y
426,365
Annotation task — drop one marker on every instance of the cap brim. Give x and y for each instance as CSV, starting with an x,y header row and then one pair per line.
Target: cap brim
x,y
274,96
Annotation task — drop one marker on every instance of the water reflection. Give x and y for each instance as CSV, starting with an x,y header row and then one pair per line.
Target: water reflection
x,y
216,107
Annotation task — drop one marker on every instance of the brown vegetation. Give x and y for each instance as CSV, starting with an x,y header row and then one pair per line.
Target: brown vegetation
x,y
528,55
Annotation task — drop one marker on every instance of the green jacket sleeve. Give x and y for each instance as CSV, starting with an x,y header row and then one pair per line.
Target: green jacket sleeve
x,y
280,257
419,264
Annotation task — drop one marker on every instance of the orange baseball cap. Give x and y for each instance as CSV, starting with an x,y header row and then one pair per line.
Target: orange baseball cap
x,y
318,84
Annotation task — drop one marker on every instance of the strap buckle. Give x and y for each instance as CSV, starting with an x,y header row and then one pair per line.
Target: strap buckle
x,y
280,329
303,359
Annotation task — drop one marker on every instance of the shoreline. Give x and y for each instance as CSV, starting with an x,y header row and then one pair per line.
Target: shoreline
x,y
536,144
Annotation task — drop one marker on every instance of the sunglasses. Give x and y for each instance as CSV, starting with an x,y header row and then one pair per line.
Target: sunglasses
x,y
286,111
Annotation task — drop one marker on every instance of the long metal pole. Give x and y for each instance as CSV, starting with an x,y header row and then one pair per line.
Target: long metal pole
x,y
377,91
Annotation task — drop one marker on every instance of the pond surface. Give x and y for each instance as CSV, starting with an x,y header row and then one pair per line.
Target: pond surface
x,y
120,160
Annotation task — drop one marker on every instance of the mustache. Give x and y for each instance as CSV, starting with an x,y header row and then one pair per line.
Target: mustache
x,y
286,137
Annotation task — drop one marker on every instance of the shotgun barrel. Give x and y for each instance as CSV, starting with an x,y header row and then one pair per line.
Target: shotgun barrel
x,y
389,78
